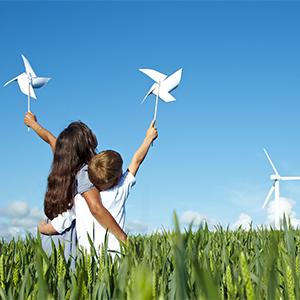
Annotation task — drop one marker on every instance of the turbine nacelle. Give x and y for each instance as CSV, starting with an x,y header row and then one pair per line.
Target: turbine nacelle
x,y
275,177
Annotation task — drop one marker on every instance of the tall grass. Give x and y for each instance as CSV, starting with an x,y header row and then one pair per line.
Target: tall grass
x,y
202,264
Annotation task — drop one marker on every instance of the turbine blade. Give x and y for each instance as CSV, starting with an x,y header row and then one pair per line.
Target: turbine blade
x,y
290,178
10,81
172,81
270,161
268,196
155,75
28,68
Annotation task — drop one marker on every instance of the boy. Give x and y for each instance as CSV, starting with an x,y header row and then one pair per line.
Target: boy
x,y
105,172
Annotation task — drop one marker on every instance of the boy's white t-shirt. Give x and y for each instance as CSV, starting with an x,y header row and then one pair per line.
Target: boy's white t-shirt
x,y
113,200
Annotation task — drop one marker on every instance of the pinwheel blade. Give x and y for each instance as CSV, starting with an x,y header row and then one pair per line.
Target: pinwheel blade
x,y
28,68
172,81
155,75
10,81
165,96
38,82
32,93
23,84
152,89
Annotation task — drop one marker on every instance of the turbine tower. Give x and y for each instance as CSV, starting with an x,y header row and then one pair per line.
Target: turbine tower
x,y
275,188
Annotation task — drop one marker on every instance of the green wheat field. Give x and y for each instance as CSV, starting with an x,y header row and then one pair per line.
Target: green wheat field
x,y
202,264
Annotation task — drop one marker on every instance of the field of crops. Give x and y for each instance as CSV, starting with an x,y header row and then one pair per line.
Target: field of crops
x,y
203,264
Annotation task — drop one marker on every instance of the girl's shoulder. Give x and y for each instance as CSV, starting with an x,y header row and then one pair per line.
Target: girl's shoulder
x,y
83,183
82,171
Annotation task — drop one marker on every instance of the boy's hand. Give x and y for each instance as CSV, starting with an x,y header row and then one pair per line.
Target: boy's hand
x,y
141,153
152,132
30,119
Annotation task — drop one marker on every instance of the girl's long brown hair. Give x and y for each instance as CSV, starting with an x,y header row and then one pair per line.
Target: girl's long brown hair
x,y
75,146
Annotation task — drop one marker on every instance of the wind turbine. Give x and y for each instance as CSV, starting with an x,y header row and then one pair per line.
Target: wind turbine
x,y
275,188
163,86
28,81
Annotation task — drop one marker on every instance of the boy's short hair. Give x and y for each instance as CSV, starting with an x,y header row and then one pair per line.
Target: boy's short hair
x,y
105,169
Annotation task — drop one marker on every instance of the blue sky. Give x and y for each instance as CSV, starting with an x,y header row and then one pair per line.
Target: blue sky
x,y
240,92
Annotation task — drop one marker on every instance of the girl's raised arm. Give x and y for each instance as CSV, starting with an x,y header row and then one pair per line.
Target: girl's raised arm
x,y
31,121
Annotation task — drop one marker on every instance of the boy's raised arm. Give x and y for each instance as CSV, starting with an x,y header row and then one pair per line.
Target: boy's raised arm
x,y
31,121
141,153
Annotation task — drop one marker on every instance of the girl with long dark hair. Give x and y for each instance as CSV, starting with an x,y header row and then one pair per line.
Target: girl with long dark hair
x,y
72,150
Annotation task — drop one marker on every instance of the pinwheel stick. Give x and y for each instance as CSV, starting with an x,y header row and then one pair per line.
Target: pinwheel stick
x,y
28,101
156,102
156,105
155,110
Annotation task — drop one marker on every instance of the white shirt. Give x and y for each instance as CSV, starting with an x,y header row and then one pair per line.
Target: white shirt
x,y
63,221
113,200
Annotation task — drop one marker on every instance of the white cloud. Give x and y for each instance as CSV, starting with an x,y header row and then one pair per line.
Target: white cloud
x,y
136,227
193,217
17,209
286,207
4,231
36,213
18,218
243,221
25,222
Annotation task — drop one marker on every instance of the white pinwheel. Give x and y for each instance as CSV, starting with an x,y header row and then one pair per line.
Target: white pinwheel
x,y
163,86
28,81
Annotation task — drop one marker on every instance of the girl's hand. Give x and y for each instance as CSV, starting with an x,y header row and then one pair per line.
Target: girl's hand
x,y
46,228
30,119
41,225
152,132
